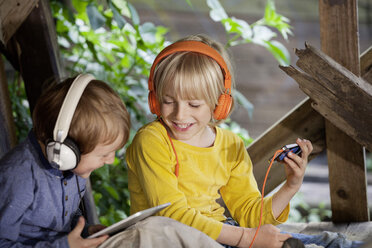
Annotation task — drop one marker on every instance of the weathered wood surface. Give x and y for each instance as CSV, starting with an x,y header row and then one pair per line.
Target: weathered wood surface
x,y
366,65
304,122
7,131
338,95
346,158
346,100
38,57
12,15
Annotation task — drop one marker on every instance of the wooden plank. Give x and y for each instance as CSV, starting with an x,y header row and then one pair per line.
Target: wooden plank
x,y
12,15
7,132
340,96
38,57
366,65
346,158
304,122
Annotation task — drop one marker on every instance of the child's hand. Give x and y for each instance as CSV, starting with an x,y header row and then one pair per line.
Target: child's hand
x,y
268,236
296,165
76,241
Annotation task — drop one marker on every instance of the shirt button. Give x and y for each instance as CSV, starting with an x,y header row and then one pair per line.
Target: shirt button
x,y
66,213
65,182
66,197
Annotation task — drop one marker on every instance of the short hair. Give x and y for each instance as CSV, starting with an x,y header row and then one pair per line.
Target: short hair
x,y
100,116
193,75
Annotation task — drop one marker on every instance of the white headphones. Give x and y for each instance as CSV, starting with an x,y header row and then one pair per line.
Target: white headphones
x,y
62,152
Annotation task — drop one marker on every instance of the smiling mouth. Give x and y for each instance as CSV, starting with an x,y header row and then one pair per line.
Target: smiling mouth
x,y
181,126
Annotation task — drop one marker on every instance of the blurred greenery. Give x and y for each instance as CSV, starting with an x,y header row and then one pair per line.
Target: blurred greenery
x,y
302,212
108,39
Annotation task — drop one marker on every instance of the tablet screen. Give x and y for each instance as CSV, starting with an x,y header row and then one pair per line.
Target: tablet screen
x,y
134,218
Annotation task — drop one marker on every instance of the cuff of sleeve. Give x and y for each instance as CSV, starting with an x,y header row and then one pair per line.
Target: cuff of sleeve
x,y
283,217
216,231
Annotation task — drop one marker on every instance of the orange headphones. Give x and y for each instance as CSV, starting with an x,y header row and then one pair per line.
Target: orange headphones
x,y
225,100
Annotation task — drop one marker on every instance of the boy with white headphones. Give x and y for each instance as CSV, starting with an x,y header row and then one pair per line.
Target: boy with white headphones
x,y
78,126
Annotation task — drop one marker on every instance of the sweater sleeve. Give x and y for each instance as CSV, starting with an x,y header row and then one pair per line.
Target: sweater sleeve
x,y
152,181
241,194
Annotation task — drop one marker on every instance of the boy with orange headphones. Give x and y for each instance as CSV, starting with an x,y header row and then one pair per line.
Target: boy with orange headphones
x,y
184,158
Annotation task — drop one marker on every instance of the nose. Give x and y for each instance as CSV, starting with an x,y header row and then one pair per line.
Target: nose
x,y
180,111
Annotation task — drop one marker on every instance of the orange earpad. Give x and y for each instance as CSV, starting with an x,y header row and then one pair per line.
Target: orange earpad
x,y
153,103
223,107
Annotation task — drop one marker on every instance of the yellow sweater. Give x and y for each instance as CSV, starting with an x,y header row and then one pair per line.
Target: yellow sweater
x,y
224,167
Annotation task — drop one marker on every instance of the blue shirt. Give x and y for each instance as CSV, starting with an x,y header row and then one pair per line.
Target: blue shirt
x,y
39,204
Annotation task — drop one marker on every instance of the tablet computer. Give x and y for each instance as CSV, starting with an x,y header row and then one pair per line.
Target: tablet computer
x,y
132,219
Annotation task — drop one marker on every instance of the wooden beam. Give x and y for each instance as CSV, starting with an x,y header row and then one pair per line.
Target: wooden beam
x,y
304,122
7,131
341,97
346,158
366,65
37,51
12,15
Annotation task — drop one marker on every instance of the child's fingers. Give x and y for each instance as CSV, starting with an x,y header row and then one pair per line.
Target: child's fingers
x,y
294,159
306,147
79,227
95,242
294,162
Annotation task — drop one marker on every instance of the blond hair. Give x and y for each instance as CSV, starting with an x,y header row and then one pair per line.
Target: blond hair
x,y
193,75
100,116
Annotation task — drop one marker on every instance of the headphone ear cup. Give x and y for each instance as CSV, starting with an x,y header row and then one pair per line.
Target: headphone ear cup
x,y
69,156
153,103
223,107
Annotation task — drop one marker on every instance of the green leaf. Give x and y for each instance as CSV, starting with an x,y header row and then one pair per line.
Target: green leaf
x,y
134,14
242,100
148,32
280,52
122,5
273,19
261,34
241,27
112,191
189,3
119,19
217,12
96,19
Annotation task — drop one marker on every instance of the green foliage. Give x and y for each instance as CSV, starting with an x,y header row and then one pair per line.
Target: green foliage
x,y
240,32
20,107
236,128
303,212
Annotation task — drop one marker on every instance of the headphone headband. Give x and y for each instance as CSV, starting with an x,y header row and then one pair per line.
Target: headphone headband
x,y
69,104
192,46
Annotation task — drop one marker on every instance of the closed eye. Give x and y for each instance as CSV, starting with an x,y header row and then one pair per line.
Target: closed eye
x,y
194,105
